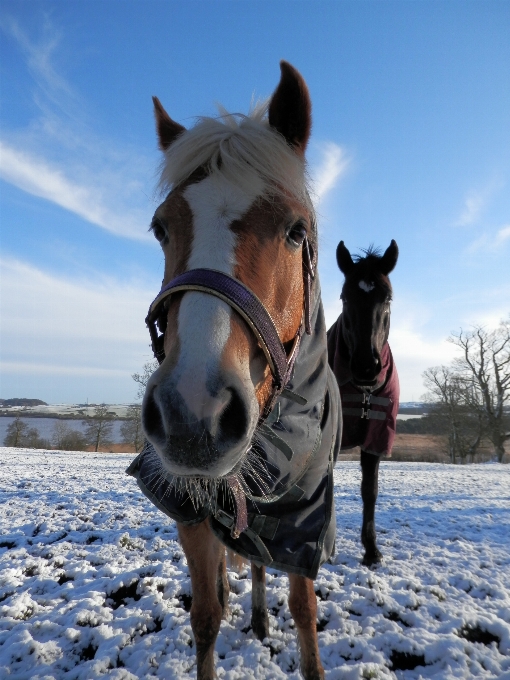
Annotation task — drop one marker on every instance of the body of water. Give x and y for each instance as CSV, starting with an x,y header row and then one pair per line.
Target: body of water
x,y
46,426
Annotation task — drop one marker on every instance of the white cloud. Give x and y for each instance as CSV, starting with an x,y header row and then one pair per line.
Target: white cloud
x,y
502,235
490,243
59,158
476,202
37,177
473,206
39,56
52,370
60,327
333,165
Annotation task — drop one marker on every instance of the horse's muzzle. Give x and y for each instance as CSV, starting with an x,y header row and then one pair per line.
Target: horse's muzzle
x,y
365,369
208,440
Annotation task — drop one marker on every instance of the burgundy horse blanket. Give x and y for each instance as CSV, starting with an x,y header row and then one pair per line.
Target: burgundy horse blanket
x,y
369,418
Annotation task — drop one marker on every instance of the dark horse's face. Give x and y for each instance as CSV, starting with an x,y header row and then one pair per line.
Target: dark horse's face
x,y
366,297
237,204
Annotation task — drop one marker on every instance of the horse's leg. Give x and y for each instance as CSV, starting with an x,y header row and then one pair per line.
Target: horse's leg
x,y
369,490
303,607
203,552
222,585
259,616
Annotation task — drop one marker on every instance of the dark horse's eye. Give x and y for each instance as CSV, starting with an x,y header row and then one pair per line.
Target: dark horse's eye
x,y
158,231
296,234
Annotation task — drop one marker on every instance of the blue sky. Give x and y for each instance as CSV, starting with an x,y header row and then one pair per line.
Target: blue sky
x,y
411,140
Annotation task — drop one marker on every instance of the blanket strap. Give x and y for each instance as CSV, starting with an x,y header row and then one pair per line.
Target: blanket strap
x,y
366,399
252,533
367,413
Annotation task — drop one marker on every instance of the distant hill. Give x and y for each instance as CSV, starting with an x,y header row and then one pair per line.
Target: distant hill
x,y
414,407
21,402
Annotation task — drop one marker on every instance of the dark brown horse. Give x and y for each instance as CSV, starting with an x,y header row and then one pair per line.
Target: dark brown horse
x,y
242,416
360,356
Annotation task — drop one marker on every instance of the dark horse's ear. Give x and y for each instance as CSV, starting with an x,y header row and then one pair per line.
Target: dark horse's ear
x,y
168,130
290,109
389,259
344,259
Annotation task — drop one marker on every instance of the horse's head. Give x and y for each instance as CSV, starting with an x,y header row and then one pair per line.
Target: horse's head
x,y
236,202
366,297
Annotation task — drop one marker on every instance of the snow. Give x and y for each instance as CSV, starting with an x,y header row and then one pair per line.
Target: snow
x,y
93,583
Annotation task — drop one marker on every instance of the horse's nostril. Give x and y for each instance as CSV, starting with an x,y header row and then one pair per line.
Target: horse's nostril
x,y
151,417
233,422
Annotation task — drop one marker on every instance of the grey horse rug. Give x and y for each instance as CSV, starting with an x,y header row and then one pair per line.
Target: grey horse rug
x,y
289,490
369,418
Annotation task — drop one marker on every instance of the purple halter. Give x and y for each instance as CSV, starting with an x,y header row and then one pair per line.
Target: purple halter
x,y
248,306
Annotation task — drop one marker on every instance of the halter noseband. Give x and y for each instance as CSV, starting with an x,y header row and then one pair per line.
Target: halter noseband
x,y
249,307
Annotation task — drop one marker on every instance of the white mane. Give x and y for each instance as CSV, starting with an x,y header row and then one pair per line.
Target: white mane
x,y
237,146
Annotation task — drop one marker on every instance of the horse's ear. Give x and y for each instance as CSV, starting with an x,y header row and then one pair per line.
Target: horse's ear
x,y
290,109
344,259
389,259
168,130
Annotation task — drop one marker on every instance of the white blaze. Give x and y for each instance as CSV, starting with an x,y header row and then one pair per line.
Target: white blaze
x,y
204,320
367,287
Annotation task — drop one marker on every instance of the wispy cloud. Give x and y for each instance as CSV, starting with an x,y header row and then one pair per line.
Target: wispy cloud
x,y
37,177
332,166
39,58
473,206
490,243
502,235
59,158
72,325
476,202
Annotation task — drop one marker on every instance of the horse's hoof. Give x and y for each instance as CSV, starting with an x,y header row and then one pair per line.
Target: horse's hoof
x,y
260,627
372,559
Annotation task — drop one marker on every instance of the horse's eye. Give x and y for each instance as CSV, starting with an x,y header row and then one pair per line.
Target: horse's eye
x,y
296,234
158,231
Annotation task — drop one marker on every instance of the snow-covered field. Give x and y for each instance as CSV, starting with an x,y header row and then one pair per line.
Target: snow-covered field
x,y
93,582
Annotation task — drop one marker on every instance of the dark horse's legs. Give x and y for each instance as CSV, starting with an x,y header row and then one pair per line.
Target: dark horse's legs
x,y
369,489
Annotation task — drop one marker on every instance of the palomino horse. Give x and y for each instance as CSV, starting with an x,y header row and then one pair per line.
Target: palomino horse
x,y
242,416
360,356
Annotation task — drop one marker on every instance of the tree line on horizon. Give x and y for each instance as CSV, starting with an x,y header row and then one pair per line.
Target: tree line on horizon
x,y
469,397
96,435
468,405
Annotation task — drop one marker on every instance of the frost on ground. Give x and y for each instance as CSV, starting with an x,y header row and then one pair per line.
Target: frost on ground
x,y
94,584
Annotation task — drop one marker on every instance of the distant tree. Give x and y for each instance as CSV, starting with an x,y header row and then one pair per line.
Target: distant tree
x,y
131,429
66,438
143,378
98,428
35,441
485,363
457,411
19,434
16,432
